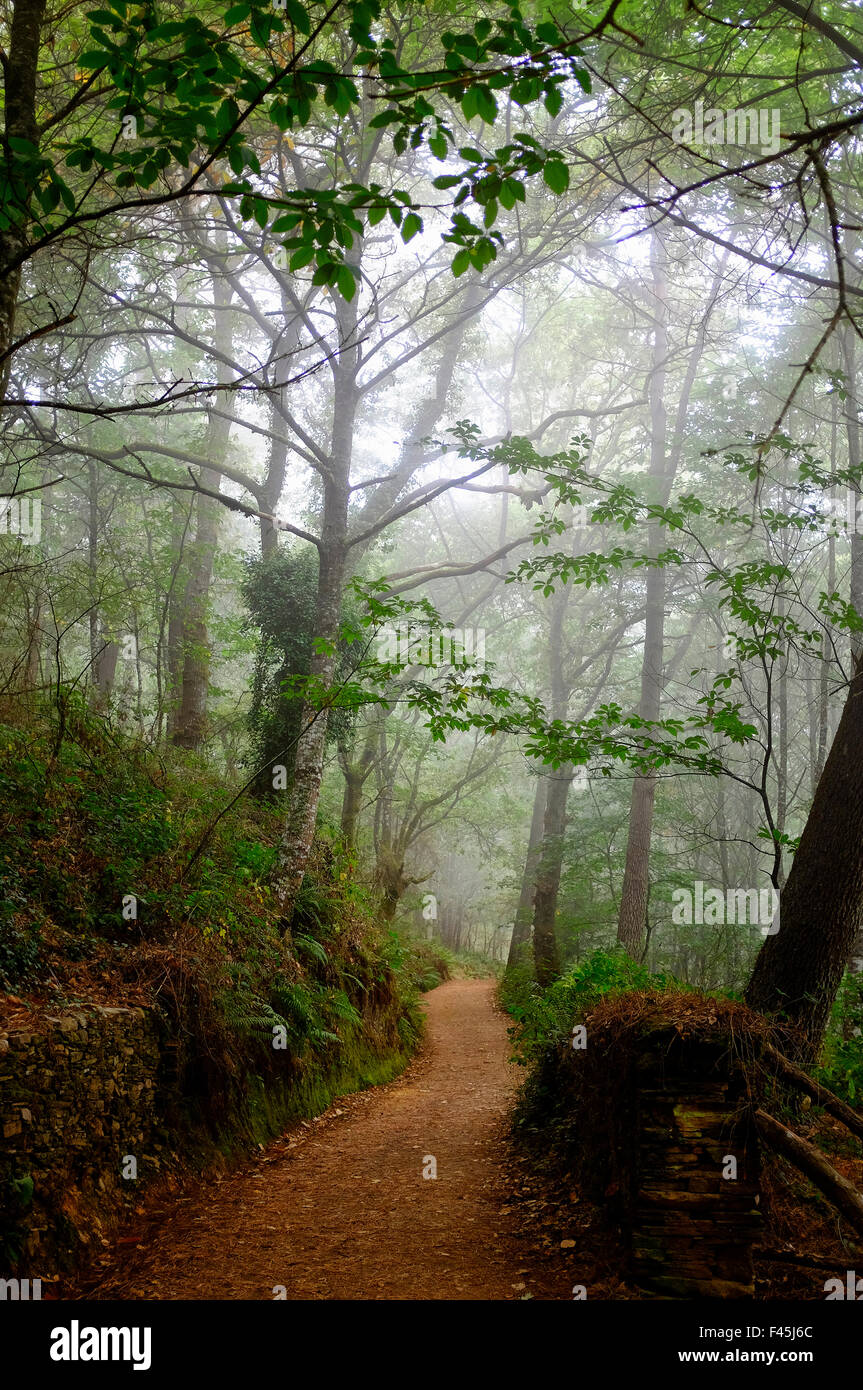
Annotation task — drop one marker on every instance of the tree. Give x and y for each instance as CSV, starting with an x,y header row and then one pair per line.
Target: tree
x,y
799,968
165,100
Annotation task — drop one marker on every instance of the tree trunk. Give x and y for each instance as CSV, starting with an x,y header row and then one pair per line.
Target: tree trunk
x,y
190,725
33,660
103,650
351,803
811,1161
852,432
20,73
632,921
298,834
524,912
824,669
546,953
337,559
271,491
798,970
821,1096
191,717
93,568
392,880
355,774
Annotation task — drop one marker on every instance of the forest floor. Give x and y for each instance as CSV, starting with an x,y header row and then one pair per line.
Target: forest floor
x,y
340,1209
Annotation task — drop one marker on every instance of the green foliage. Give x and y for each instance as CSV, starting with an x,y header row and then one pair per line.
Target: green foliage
x,y
466,700
281,593
20,947
197,86
88,789
245,1012
545,1017
16,1198
314,910
103,819
841,1067
424,964
470,964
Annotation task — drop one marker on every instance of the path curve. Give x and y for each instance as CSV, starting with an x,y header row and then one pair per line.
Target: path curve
x,y
341,1210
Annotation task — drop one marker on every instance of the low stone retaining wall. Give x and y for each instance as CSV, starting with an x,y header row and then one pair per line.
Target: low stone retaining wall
x,y
78,1101
696,1214
650,1116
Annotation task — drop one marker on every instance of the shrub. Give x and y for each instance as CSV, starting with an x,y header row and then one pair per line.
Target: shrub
x,y
545,1017
842,1063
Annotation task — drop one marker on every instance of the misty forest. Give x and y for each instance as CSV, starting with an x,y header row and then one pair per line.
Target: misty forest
x,y
431,650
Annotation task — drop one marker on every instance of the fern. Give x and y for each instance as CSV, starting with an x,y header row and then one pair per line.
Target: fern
x,y
340,1006
310,947
244,1011
304,1020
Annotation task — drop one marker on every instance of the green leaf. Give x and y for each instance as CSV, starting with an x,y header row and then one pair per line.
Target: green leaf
x,y
556,174
296,13
553,101
470,104
261,26
486,105
413,223
347,285
384,118
302,257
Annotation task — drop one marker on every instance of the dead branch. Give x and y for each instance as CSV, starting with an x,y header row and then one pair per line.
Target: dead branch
x,y
811,1162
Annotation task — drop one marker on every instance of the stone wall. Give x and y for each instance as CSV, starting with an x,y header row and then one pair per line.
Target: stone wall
x,y
98,1101
696,1214
78,1099
650,1115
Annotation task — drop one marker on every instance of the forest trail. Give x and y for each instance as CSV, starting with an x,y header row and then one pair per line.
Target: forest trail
x,y
340,1209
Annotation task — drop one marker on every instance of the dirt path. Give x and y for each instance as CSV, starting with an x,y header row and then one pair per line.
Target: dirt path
x,y
343,1211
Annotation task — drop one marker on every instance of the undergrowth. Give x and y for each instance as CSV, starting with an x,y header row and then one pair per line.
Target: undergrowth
x,y
100,904
544,1018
